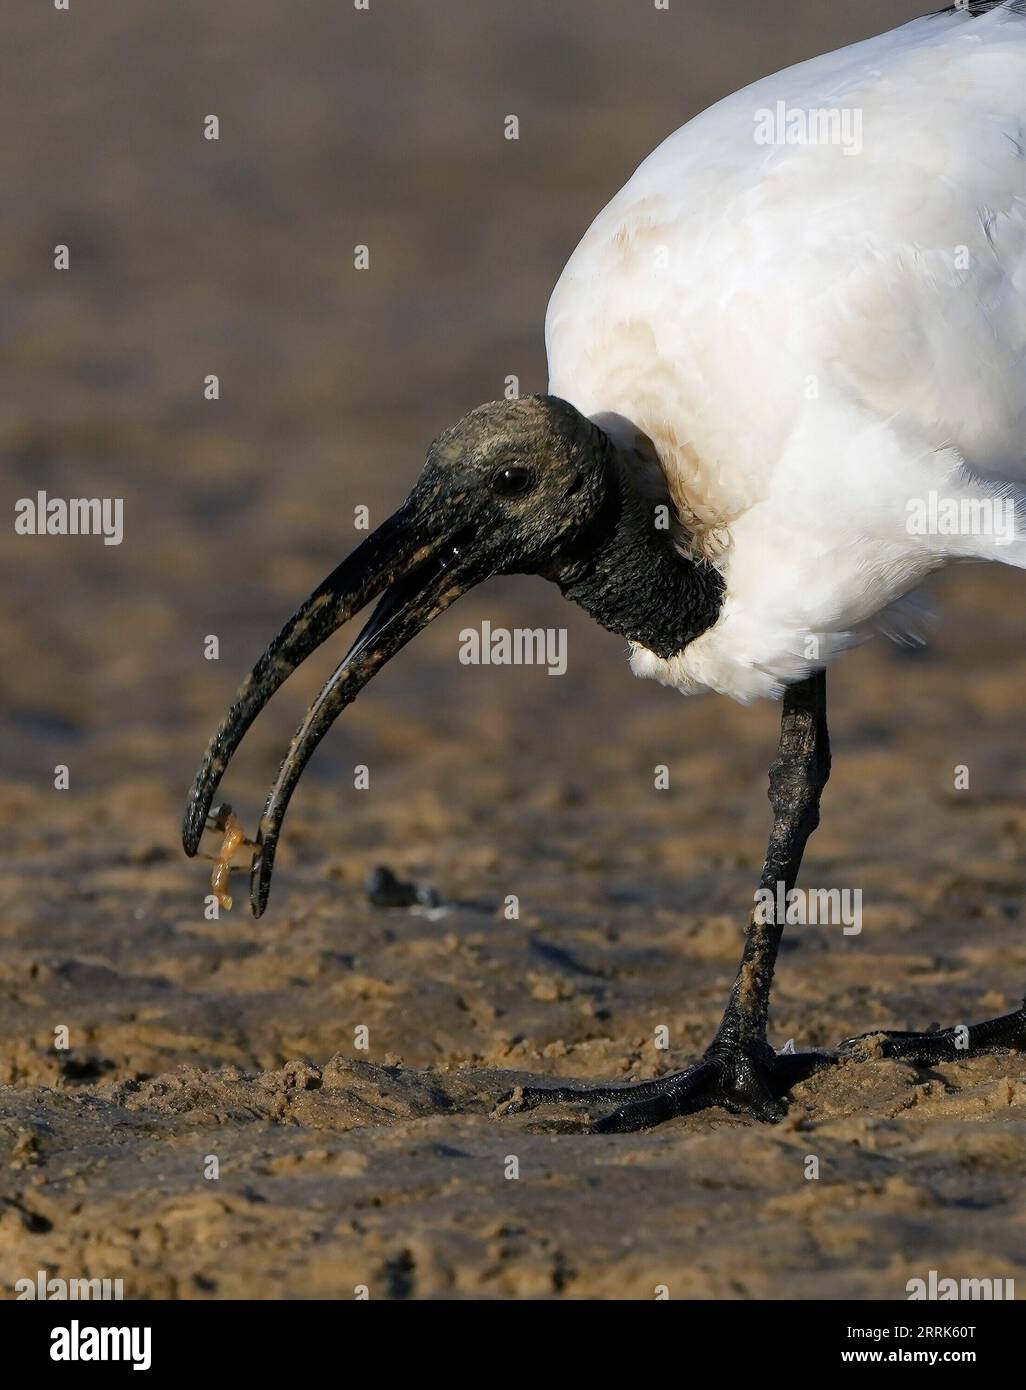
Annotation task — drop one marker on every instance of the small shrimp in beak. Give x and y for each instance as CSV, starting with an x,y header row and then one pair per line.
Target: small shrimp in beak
x,y
223,818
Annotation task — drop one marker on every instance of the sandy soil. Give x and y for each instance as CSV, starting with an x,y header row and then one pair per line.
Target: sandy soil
x,y
341,1166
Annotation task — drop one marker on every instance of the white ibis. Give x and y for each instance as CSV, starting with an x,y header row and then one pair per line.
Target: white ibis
x,y
799,331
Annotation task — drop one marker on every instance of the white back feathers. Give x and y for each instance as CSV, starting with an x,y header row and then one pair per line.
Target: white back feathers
x,y
811,301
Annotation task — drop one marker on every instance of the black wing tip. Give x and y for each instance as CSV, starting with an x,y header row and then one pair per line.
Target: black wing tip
x,y
975,8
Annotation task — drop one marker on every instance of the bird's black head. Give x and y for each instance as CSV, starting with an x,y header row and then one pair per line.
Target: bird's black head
x,y
515,487
520,483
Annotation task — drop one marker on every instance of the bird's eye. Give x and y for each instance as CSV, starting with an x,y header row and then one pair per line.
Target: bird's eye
x,y
512,480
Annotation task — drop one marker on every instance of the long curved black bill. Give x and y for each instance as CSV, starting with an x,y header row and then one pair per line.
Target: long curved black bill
x,y
420,573
345,591
410,605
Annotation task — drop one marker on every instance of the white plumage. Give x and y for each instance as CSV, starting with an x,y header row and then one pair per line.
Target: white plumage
x,y
815,338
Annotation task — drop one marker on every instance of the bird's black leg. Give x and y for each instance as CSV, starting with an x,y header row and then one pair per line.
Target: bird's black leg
x,y
739,1071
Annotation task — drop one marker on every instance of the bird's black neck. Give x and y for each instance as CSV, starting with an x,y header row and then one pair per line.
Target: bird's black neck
x,y
629,575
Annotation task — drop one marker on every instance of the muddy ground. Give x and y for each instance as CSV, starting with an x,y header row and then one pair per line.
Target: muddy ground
x,y
342,1166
